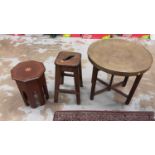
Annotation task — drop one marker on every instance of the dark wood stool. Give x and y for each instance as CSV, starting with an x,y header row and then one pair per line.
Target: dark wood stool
x,y
68,62
30,79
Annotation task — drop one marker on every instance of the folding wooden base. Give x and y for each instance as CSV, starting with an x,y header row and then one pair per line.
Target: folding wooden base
x,y
109,85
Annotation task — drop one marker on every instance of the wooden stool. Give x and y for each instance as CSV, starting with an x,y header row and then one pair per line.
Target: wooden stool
x,y
30,79
68,62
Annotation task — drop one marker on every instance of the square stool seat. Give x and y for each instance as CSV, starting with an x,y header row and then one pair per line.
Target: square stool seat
x,y
65,58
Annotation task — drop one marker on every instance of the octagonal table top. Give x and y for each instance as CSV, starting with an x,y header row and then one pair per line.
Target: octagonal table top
x,y
120,57
27,71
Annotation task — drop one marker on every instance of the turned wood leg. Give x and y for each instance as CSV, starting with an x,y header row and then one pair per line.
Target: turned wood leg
x,y
57,82
132,91
77,84
125,81
94,78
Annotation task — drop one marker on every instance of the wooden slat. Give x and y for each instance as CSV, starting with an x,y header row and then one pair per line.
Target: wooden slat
x,y
116,84
112,87
67,91
101,91
120,92
67,74
101,81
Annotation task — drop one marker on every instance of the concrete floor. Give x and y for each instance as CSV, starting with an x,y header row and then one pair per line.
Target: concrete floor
x,y
14,49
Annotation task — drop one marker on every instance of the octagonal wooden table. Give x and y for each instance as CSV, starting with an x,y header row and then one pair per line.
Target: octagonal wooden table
x,y
118,57
30,79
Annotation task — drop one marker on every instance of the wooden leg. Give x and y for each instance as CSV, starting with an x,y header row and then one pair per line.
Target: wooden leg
x,y
110,84
23,94
94,78
125,81
62,78
45,87
57,83
77,85
132,91
80,72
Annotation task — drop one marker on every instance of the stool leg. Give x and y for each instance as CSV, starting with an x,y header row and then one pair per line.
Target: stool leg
x,y
62,78
57,82
77,85
23,94
24,97
45,87
94,78
132,91
80,72
31,99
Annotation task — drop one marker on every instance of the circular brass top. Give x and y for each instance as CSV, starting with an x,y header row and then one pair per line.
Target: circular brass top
x,y
120,57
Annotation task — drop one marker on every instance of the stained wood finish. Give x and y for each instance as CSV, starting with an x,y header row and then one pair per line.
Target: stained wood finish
x,y
133,89
28,70
109,86
66,58
125,81
30,79
94,78
118,57
68,62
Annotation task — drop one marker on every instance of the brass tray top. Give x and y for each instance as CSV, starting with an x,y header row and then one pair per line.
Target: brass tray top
x,y
120,57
